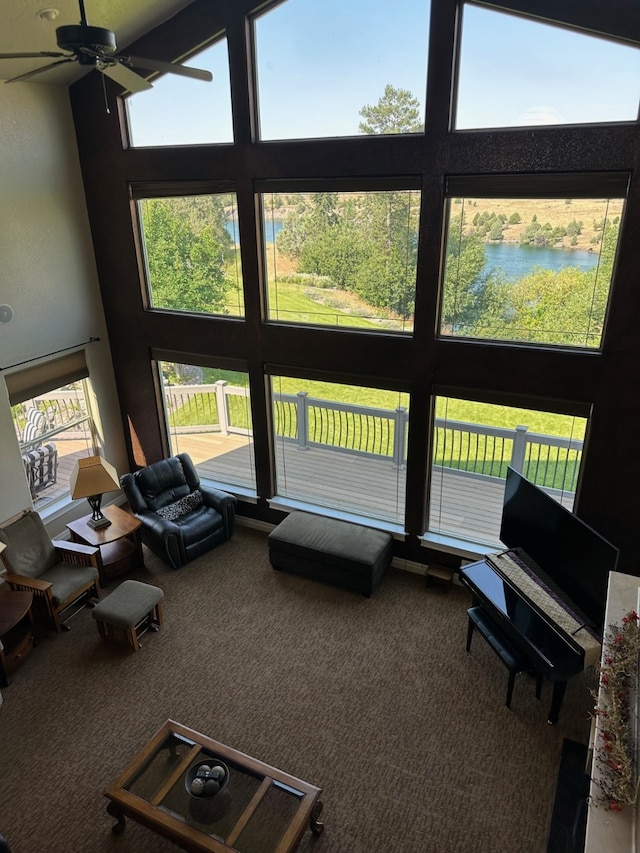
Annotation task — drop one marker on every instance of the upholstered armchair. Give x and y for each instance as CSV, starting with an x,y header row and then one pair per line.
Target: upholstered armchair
x,y
62,576
181,519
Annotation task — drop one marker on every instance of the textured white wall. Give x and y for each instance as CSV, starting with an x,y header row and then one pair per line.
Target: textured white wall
x,y
47,267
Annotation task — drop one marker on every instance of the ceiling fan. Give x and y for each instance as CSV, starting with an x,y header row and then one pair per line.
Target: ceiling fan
x,y
96,47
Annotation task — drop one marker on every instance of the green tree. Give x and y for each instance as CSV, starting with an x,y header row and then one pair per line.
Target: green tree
x,y
538,235
187,248
386,276
608,251
296,229
495,232
335,251
397,111
464,264
515,218
564,307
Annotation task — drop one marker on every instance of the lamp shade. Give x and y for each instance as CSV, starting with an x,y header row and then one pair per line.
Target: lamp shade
x,y
93,475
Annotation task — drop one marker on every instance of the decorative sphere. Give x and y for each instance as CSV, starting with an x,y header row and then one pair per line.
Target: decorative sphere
x,y
203,769
219,772
211,787
197,786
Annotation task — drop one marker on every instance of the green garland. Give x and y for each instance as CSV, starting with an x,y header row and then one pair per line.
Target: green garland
x,y
615,752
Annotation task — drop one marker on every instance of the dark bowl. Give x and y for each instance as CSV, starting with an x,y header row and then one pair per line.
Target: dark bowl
x,y
192,772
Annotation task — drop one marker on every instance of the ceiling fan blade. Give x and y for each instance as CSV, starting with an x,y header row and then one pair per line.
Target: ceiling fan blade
x,y
22,77
30,55
168,67
125,77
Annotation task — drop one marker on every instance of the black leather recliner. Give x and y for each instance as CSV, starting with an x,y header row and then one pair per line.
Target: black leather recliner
x,y
180,518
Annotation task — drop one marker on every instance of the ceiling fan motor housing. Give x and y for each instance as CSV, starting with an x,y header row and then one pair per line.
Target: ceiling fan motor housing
x,y
79,38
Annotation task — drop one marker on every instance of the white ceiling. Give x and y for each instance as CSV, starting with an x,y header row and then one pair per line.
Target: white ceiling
x,y
22,31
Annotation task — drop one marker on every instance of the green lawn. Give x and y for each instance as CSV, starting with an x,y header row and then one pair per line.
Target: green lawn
x,y
289,304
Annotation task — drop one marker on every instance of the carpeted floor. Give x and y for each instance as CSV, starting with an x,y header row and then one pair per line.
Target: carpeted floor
x,y
374,700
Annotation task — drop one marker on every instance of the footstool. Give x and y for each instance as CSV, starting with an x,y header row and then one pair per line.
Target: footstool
x,y
129,612
341,553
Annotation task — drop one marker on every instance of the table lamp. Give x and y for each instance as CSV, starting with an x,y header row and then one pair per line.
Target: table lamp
x,y
92,477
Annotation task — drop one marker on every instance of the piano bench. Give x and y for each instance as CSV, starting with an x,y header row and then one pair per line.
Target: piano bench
x,y
499,642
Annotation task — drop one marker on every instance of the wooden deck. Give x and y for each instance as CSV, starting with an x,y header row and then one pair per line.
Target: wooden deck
x,y
463,507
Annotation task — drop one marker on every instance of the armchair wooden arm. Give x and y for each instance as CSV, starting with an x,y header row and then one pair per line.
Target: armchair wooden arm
x,y
42,606
34,585
77,554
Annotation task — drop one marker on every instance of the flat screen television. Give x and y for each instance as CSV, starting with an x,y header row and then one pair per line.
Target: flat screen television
x,y
573,556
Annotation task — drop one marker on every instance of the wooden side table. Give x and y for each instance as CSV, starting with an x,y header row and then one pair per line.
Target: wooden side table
x,y
120,543
16,631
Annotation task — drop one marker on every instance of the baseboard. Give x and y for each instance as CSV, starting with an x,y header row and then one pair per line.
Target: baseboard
x,y
254,524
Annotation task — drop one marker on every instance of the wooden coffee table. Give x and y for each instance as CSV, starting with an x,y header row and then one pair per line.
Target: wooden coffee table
x,y
119,543
261,810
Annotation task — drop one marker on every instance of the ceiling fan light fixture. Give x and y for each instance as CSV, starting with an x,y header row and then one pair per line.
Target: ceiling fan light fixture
x,y
96,47
80,37
48,14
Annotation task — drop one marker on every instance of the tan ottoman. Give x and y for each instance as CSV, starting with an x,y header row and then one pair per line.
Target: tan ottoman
x,y
132,609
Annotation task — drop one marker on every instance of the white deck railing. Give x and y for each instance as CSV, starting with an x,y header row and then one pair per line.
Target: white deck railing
x,y
475,449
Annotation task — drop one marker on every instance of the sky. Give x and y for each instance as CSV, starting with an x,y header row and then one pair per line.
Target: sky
x,y
320,61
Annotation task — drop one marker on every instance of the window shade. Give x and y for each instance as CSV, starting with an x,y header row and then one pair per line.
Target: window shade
x,y
34,381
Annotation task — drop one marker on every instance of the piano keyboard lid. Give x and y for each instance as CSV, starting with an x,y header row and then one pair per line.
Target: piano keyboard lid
x,y
515,570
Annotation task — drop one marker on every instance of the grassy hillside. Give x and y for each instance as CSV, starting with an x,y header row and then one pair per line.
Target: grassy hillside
x,y
557,212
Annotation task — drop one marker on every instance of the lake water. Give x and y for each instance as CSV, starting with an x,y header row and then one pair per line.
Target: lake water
x,y
514,260
273,227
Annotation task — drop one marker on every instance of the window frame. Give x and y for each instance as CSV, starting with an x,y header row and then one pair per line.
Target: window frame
x,y
48,376
274,372
468,546
143,190
616,32
123,100
531,186
196,360
292,186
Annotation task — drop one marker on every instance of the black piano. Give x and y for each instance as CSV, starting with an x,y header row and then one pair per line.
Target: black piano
x,y
566,557
552,652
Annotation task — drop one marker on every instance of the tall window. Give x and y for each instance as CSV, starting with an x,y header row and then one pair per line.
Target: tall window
x,y
341,447
516,71
342,259
529,269
192,253
182,111
53,424
473,445
328,68
208,414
